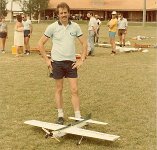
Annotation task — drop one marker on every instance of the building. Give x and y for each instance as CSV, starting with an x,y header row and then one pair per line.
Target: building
x,y
132,10
14,9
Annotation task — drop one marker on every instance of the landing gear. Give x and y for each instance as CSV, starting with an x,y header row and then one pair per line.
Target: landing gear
x,y
79,142
50,134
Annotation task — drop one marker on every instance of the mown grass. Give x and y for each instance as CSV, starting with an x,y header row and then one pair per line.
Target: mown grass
x,y
120,90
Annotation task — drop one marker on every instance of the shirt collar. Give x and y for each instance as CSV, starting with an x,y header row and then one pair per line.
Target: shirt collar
x,y
69,22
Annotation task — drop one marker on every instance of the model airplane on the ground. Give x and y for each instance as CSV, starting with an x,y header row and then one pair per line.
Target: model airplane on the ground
x,y
57,130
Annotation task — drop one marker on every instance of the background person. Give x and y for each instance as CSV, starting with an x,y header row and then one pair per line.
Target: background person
x,y
3,34
19,35
98,24
64,64
92,32
28,28
112,25
122,29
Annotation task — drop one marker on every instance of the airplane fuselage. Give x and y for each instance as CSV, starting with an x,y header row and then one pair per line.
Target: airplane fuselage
x,y
61,132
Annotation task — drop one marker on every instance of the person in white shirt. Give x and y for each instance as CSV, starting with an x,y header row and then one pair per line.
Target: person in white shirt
x,y
96,39
92,31
27,32
122,29
63,61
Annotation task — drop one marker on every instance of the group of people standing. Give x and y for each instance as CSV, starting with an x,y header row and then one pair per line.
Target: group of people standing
x,y
117,22
22,31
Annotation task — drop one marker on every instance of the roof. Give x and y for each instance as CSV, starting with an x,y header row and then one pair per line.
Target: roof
x,y
119,5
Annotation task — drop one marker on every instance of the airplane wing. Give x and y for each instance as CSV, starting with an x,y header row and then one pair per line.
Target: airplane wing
x,y
46,125
89,121
90,133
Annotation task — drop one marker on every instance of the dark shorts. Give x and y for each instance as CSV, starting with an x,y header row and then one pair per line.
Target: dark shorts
x,y
63,69
3,34
27,33
121,32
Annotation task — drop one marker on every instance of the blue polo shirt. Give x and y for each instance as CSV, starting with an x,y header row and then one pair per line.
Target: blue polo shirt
x,y
63,39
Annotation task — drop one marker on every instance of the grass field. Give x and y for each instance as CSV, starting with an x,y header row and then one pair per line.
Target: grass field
x,y
120,90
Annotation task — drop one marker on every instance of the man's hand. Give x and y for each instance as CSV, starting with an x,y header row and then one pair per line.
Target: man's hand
x,y
49,65
77,64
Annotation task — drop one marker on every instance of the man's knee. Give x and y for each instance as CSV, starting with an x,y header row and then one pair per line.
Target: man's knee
x,y
74,91
59,89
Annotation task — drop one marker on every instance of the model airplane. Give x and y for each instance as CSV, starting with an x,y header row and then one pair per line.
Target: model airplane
x,y
55,130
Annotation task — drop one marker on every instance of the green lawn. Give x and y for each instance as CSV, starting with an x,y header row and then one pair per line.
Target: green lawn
x,y
120,90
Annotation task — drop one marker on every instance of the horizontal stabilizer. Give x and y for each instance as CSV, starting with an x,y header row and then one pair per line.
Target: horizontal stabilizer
x,y
89,121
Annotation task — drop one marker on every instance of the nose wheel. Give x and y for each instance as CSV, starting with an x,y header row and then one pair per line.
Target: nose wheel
x,y
50,134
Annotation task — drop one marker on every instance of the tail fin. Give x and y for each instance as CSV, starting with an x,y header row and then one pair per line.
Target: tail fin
x,y
89,120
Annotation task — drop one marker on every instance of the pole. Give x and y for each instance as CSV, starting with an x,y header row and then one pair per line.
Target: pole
x,y
11,9
144,12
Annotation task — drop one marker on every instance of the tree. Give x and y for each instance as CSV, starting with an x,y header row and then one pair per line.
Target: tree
x,y
3,10
34,7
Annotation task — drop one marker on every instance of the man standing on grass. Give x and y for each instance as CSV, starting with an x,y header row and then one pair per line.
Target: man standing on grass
x,y
112,25
27,32
122,29
63,61
96,40
92,32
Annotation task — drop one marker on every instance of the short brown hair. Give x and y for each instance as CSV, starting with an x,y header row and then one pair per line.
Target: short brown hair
x,y
120,14
62,5
19,18
90,12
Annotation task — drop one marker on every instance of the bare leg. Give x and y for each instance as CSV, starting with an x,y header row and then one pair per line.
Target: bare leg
x,y
120,40
17,51
3,43
74,92
123,39
113,45
58,93
26,42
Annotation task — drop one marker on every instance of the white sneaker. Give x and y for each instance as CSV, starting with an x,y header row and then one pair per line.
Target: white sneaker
x,y
28,53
